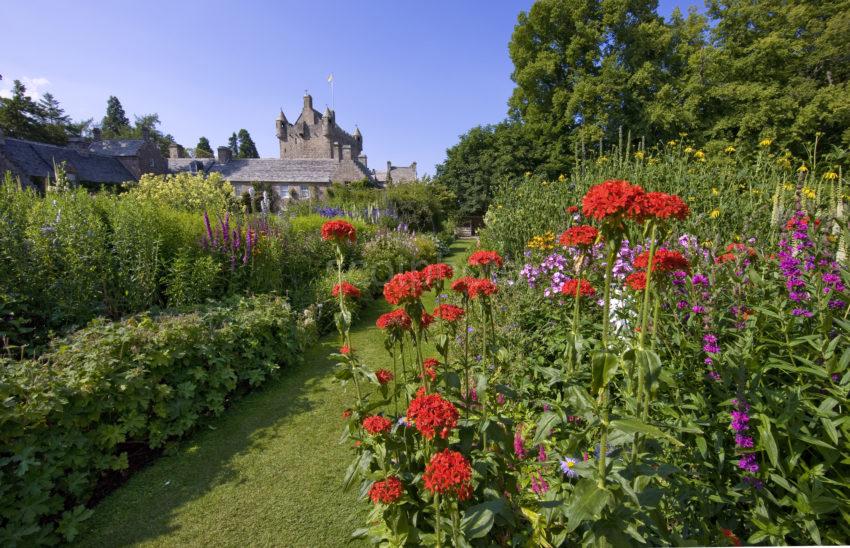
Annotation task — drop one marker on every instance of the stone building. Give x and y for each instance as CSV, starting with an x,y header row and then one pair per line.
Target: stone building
x,y
314,153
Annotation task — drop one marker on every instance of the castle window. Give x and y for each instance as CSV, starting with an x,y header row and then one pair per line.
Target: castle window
x,y
152,162
305,192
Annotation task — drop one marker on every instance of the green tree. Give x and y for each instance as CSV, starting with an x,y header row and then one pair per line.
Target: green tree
x,y
22,118
233,143
247,148
115,123
203,148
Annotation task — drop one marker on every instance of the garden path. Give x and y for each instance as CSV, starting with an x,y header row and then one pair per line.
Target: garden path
x,y
267,472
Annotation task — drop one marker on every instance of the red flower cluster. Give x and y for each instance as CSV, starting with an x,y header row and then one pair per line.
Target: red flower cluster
x,y
387,491
449,473
661,206
346,414
345,350
449,312
406,287
473,287
572,209
664,261
461,285
485,258
426,320
397,320
579,236
338,231
733,538
583,286
384,376
348,290
613,199
636,281
377,424
430,367
435,273
801,222
431,413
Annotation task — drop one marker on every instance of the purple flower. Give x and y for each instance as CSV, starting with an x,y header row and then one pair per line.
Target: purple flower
x,y
748,463
698,309
541,453
500,398
568,467
699,279
802,312
539,485
713,375
519,448
740,421
743,441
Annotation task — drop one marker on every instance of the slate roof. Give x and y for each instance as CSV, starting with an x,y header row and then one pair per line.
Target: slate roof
x,y
117,147
400,174
37,159
178,165
275,170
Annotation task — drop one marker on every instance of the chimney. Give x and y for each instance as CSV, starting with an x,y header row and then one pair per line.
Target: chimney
x,y
413,165
175,151
224,155
308,101
389,167
146,133
346,152
96,134
362,159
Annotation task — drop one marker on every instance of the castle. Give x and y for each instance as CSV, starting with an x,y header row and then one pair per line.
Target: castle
x,y
314,153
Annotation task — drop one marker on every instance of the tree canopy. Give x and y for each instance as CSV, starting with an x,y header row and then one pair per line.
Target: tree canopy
x,y
247,148
203,148
24,118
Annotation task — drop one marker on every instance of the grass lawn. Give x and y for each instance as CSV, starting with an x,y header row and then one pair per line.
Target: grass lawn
x,y
267,472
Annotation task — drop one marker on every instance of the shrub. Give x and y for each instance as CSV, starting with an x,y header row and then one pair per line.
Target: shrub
x,y
422,206
390,253
189,192
69,414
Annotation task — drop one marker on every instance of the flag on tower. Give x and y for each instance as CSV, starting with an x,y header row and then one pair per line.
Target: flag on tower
x,y
330,77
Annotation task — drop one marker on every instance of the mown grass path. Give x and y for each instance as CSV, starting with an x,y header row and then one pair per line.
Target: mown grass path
x,y
267,472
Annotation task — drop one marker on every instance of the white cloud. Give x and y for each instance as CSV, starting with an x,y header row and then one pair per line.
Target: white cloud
x,y
35,86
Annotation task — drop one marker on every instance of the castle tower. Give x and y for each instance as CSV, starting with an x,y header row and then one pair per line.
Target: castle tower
x,y
315,135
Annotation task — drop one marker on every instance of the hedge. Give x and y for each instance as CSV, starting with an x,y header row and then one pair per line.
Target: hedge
x,y
67,417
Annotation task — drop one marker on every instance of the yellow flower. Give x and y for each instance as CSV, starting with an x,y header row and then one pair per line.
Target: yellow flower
x,y
699,155
528,174
765,142
561,178
639,155
788,186
715,213
543,242
809,193
830,176
683,135
715,191
671,142
653,160
729,150
689,150
707,243
756,191
601,160
802,169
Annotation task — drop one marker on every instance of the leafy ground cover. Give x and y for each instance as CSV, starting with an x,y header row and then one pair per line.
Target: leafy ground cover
x,y
268,472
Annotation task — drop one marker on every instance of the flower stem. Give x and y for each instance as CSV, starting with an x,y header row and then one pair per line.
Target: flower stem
x,y
437,520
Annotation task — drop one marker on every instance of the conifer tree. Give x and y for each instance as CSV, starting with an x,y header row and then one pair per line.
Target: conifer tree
x,y
247,148
203,148
233,143
115,122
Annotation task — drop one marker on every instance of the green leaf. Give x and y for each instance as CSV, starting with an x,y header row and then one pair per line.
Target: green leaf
x,y
544,426
478,520
631,426
604,366
766,438
587,502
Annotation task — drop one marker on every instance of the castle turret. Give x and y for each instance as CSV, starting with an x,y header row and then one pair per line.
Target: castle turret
x,y
308,115
358,137
280,126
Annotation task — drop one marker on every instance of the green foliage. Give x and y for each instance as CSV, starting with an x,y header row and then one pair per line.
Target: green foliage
x,y
420,205
23,118
187,191
192,279
71,414
203,148
247,148
115,121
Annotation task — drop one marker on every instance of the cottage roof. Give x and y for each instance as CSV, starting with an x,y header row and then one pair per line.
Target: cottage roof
x,y
117,147
37,160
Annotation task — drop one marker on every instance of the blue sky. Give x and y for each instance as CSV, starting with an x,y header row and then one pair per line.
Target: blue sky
x,y
412,75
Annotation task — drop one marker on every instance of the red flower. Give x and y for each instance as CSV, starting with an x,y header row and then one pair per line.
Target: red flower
x,y
576,236
636,281
725,258
484,258
377,424
435,273
661,206
481,287
449,312
338,231
348,290
733,538
346,413
430,367
741,248
406,287
396,321
345,350
449,473
431,413
572,209
387,491
613,199
583,286
461,285
426,320
384,376
664,261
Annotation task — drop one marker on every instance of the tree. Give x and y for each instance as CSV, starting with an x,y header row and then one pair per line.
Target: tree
x,y
247,148
51,112
115,123
20,116
233,143
203,148
487,155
